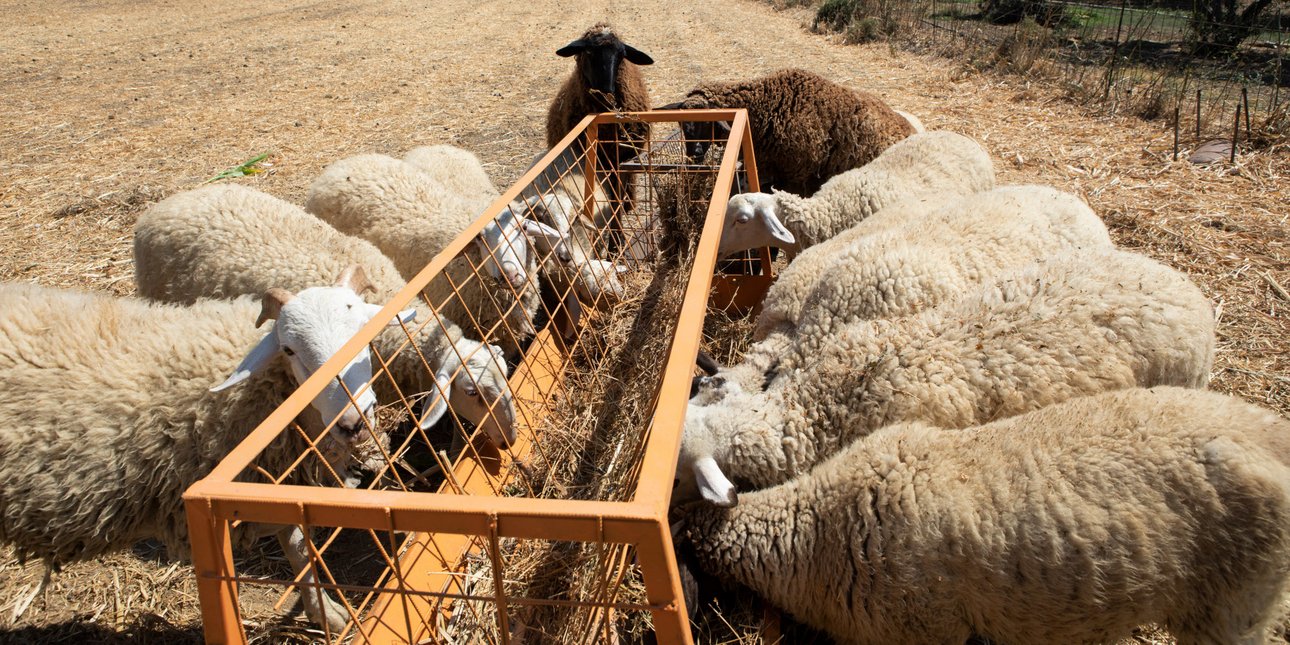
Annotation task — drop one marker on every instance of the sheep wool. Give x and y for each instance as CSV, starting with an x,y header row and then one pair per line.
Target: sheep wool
x,y
938,162
921,261
229,240
805,128
1074,523
1071,325
920,253
109,416
460,171
411,218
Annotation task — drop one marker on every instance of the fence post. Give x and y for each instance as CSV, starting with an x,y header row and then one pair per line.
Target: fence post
x,y
1115,53
1236,132
1198,115
663,585
1177,116
212,553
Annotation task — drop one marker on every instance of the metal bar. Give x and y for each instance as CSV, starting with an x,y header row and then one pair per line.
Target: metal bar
x,y
1236,133
213,563
659,464
663,586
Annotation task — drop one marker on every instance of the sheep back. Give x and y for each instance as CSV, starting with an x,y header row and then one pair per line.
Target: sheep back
x,y
82,480
460,171
229,240
806,128
1073,523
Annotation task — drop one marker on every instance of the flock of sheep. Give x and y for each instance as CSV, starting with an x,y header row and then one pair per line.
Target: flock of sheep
x,y
965,413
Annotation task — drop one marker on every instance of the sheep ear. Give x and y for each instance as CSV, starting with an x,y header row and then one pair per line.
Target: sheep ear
x,y
538,229
258,359
440,406
713,484
637,56
356,279
572,49
271,304
405,316
620,268
777,230
671,106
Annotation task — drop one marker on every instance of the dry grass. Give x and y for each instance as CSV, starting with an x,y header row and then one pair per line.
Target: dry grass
x,y
115,104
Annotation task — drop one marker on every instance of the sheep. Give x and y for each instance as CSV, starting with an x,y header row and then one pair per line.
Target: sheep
x,y
1073,523
411,218
458,170
934,162
911,263
228,240
606,77
594,280
172,390
1072,324
805,128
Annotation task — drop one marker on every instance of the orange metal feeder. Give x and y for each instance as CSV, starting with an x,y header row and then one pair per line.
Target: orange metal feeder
x,y
428,553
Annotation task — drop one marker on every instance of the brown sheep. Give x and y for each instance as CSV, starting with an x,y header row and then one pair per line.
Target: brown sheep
x,y
605,78
805,128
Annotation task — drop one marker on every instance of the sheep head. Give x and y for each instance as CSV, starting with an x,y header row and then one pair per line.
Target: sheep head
x,y
599,54
752,221
472,379
309,328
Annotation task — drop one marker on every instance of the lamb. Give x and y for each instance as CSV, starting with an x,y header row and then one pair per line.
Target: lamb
x,y
805,128
225,241
80,481
934,162
916,259
411,218
606,77
595,281
1075,324
458,170
1073,523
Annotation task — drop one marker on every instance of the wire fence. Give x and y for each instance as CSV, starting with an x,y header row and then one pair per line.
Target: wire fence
x,y
1165,59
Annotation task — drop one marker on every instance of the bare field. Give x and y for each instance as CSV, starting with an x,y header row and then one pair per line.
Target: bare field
x,y
109,106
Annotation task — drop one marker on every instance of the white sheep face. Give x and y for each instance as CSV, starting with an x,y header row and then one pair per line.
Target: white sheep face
x,y
479,393
504,249
309,328
751,223
697,471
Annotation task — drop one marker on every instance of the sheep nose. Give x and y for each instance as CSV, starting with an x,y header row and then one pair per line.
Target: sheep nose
x,y
514,275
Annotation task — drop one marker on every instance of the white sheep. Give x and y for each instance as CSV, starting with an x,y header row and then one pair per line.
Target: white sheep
x,y
460,171
1074,523
411,218
228,240
931,162
918,257
595,280
1071,325
114,406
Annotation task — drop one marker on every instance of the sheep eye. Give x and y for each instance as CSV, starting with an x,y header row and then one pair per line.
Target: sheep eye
x,y
288,351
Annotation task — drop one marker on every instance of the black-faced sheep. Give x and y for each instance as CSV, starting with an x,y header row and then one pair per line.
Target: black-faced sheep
x,y
805,128
606,78
1074,523
1068,326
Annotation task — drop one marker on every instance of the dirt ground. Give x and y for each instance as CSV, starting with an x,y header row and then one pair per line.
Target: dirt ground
x,y
109,106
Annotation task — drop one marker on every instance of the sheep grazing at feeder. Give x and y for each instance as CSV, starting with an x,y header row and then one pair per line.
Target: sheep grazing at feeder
x,y
805,128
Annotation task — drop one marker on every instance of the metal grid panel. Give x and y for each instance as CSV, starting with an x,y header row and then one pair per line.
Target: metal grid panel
x,y
450,536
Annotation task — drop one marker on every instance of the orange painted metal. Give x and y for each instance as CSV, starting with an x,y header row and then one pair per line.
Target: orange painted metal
x,y
461,522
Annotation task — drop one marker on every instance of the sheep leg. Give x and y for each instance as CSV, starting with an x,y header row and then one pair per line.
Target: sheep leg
x,y
318,603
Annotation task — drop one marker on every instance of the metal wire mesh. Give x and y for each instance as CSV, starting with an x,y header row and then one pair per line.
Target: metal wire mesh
x,y
446,532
